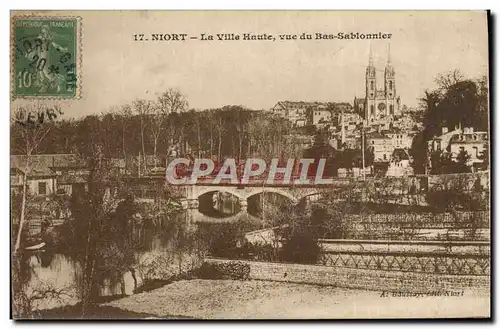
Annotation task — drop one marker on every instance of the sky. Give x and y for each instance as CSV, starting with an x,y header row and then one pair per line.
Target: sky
x,y
115,69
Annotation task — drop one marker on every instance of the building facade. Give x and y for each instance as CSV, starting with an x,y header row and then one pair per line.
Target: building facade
x,y
474,143
48,173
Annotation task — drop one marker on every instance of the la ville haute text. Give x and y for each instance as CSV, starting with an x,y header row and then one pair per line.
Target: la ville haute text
x,y
261,36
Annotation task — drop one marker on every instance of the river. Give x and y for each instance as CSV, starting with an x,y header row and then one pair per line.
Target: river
x,y
156,256
59,272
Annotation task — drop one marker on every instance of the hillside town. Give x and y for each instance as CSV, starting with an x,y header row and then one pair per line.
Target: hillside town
x,y
379,121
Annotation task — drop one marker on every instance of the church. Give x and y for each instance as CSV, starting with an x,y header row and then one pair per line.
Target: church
x,y
380,105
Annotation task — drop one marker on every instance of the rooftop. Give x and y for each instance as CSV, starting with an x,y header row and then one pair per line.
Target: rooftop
x,y
45,164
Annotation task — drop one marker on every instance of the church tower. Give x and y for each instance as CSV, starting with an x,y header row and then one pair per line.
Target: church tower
x,y
381,105
390,85
371,87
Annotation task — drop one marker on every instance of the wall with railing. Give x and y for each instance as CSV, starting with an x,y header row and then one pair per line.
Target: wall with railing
x,y
465,225
436,257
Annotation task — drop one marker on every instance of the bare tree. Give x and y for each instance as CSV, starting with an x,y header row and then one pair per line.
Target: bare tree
x,y
173,101
143,109
212,122
220,129
32,123
126,113
448,79
170,101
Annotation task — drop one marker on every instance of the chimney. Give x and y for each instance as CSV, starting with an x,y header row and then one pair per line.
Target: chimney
x,y
444,130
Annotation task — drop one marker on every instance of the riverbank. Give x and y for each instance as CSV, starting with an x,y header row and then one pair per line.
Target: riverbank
x,y
229,299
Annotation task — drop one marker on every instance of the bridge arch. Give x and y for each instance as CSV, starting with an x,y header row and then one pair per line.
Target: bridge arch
x,y
198,192
280,191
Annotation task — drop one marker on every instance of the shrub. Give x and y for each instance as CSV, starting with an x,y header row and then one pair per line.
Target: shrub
x,y
261,251
225,239
234,270
301,248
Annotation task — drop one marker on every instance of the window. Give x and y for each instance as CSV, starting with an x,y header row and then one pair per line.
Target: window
x,y
475,152
372,108
42,188
391,109
390,85
371,85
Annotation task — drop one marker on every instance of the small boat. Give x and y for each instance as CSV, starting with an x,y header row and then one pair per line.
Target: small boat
x,y
36,247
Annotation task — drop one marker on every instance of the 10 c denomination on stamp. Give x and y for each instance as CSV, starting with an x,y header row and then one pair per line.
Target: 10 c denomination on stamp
x,y
45,57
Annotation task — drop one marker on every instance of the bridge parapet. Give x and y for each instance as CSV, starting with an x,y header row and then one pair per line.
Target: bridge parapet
x,y
292,193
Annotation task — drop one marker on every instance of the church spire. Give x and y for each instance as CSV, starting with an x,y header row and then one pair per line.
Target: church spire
x,y
370,59
389,54
389,70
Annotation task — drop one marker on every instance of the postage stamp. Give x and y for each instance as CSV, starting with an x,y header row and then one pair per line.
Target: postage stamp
x,y
45,57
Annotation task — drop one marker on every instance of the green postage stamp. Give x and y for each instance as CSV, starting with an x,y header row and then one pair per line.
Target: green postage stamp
x,y
45,57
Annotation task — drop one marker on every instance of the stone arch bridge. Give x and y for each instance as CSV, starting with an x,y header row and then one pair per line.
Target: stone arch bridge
x,y
294,193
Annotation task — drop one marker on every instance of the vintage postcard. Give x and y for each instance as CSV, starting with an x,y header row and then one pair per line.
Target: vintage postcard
x,y
250,165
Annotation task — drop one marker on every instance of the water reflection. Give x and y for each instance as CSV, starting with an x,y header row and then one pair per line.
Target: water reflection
x,y
157,241
161,248
219,204
262,204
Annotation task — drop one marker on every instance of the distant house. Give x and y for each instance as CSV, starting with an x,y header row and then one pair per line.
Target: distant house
x,y
381,145
359,106
295,112
319,115
441,142
349,122
349,142
470,141
40,181
400,139
474,143
48,173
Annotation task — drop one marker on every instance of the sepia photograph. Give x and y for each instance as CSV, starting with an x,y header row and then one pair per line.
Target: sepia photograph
x,y
249,165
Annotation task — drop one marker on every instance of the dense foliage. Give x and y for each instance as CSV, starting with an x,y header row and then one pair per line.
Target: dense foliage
x,y
456,102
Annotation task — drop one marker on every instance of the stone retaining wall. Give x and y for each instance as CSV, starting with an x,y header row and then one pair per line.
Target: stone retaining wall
x,y
391,281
